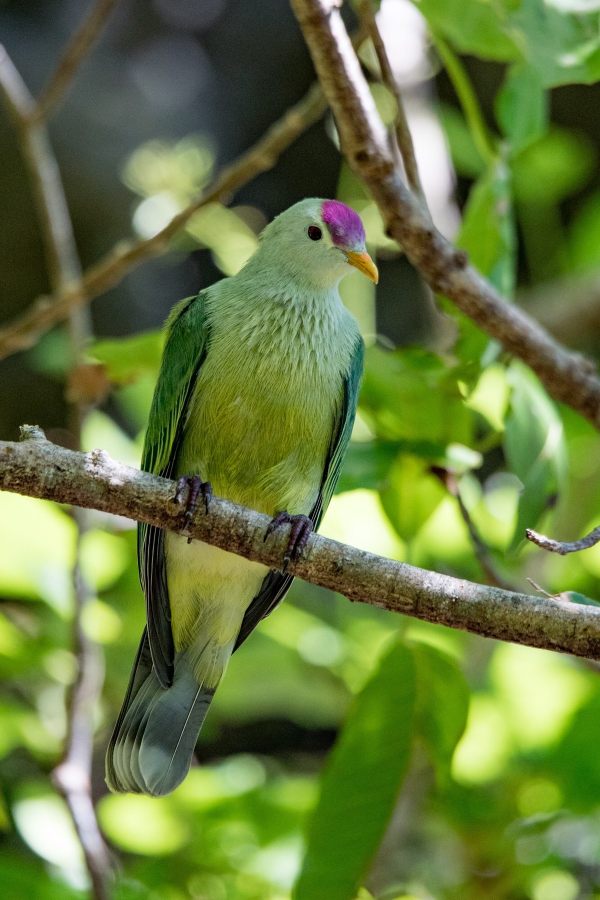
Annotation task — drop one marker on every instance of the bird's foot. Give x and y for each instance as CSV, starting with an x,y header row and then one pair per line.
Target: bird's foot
x,y
195,488
300,531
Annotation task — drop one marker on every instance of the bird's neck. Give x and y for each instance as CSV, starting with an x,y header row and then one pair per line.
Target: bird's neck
x,y
277,273
283,319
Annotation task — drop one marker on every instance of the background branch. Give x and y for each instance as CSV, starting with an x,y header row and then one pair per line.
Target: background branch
x,y
402,131
72,776
38,468
563,547
74,54
567,376
46,312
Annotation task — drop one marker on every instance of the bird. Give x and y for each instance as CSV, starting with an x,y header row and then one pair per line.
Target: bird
x,y
255,400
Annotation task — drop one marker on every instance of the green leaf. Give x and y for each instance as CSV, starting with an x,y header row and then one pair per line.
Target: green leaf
x,y
488,233
366,464
442,705
361,782
410,495
522,107
534,445
553,167
561,45
412,395
488,236
477,27
584,235
128,358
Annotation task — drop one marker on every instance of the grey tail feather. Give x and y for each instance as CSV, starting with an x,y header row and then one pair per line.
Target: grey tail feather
x,y
151,748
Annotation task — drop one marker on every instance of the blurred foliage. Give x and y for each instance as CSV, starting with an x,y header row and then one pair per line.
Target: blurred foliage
x,y
463,769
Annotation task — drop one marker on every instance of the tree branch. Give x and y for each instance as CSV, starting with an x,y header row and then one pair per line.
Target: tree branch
x,y
567,376
481,550
72,776
563,547
74,54
50,201
46,311
37,468
402,131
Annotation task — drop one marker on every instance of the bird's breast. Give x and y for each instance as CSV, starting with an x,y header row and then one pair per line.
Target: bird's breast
x,y
261,431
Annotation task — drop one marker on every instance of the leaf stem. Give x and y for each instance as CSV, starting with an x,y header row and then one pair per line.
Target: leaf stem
x,y
467,98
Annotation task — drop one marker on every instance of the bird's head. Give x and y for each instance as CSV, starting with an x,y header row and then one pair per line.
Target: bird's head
x,y
317,242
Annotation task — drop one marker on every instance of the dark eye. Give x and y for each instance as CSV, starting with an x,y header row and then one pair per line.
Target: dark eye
x,y
314,233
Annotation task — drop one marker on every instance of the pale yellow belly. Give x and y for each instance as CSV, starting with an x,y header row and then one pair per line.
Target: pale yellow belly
x,y
209,590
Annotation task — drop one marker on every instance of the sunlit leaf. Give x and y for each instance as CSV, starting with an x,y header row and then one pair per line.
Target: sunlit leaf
x,y
477,27
560,41
125,359
38,546
163,830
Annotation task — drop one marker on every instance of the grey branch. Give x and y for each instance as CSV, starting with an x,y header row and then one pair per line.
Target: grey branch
x,y
46,312
72,775
563,547
74,54
568,377
402,131
38,468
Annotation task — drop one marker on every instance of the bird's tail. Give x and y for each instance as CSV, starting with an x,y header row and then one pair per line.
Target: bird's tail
x,y
150,751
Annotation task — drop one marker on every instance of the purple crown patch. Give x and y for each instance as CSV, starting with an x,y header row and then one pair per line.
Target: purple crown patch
x,y
344,225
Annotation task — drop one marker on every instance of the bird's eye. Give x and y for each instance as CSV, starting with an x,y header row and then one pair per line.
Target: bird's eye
x,y
314,233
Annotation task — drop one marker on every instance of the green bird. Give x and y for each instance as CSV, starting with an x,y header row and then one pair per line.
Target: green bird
x,y
257,395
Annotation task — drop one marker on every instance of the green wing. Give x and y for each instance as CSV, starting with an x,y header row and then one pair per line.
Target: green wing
x,y
184,353
342,434
276,584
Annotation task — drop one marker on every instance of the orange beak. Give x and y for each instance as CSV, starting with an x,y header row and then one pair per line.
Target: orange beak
x,y
364,264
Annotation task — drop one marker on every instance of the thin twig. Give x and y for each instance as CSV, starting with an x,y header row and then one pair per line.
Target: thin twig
x,y
567,376
74,54
482,551
563,547
37,468
72,776
402,131
47,311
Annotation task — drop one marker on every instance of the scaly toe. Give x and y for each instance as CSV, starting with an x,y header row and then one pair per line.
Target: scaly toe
x,y
300,531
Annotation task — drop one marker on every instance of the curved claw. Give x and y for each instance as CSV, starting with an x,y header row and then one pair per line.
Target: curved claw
x,y
300,531
195,488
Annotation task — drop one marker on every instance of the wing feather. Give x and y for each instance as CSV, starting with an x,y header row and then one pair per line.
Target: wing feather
x,y
184,353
